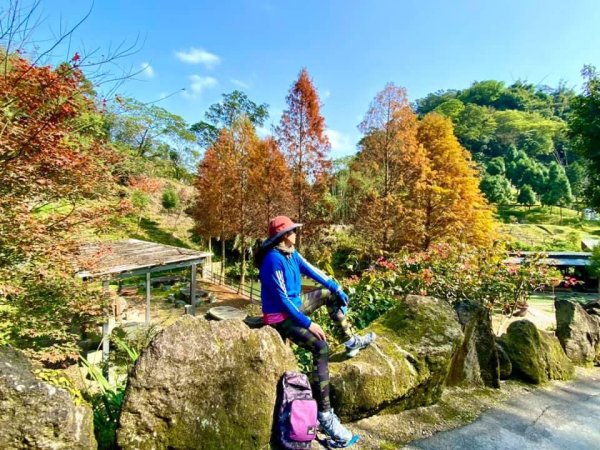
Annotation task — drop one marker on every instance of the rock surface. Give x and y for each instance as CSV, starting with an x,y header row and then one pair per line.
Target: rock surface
x,y
475,363
37,415
205,384
536,355
578,332
407,365
504,361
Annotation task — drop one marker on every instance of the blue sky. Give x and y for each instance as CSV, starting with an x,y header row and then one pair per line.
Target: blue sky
x,y
351,48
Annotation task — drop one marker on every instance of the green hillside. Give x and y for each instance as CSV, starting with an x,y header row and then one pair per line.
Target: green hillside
x,y
546,228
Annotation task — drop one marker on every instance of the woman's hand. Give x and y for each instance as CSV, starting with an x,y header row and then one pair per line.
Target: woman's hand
x,y
316,329
343,297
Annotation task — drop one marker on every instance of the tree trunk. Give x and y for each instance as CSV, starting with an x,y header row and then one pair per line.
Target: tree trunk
x,y
243,265
210,251
222,260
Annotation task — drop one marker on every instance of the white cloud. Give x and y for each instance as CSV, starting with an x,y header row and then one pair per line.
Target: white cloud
x,y
240,83
198,56
263,132
198,84
146,70
340,143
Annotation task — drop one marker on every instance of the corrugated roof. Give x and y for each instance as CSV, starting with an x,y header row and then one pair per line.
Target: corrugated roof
x,y
552,258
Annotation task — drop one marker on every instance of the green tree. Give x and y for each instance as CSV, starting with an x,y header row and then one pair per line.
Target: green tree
x,y
594,266
483,93
148,130
577,175
223,114
433,100
451,108
584,128
527,196
475,127
496,188
558,189
496,166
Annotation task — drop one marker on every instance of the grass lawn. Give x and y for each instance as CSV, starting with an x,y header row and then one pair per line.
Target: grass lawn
x,y
546,228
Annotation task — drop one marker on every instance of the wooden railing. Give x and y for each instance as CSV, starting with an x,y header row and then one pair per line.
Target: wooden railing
x,y
250,289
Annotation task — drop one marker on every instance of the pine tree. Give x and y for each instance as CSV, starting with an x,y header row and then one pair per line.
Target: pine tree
x,y
393,168
214,192
270,184
454,207
301,135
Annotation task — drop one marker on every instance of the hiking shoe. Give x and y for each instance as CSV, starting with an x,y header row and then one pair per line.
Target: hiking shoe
x,y
357,343
333,428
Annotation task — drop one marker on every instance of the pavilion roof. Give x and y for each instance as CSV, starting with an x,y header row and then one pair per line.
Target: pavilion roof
x,y
132,257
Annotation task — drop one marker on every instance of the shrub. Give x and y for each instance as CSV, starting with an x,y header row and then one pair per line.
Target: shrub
x,y
44,311
451,273
170,199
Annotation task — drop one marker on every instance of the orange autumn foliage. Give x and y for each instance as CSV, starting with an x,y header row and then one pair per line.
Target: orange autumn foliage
x,y
301,135
455,209
418,185
51,155
393,168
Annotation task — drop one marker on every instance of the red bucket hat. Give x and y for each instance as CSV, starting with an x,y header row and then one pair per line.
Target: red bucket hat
x,y
278,226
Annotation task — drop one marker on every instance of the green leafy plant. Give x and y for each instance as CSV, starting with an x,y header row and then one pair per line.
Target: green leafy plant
x,y
107,399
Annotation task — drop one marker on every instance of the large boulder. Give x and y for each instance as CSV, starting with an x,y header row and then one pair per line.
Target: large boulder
x,y
204,384
475,363
38,415
536,355
592,308
578,332
406,366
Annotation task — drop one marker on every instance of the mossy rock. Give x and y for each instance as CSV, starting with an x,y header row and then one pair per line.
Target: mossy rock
x,y
37,415
475,363
406,367
205,384
536,355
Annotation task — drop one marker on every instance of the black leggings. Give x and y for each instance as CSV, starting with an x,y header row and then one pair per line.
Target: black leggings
x,y
301,336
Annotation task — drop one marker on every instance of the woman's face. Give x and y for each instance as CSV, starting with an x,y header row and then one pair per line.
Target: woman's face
x,y
290,238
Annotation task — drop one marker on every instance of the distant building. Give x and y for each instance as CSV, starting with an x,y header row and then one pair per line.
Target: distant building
x,y
568,263
590,214
587,245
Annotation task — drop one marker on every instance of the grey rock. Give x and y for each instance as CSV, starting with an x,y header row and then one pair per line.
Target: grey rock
x,y
476,360
578,332
37,415
204,384
504,362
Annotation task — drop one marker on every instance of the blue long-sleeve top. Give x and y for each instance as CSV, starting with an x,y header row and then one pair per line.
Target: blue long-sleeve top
x,y
281,284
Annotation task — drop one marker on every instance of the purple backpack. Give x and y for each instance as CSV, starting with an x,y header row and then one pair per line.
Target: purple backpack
x,y
297,417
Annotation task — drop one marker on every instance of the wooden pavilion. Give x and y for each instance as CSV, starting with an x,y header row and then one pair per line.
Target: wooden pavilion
x,y
106,261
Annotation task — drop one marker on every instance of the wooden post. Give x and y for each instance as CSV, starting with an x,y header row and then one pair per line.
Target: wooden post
x,y
193,290
251,287
148,289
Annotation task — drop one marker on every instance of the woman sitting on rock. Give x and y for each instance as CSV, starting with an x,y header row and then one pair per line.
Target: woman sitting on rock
x,y
285,309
